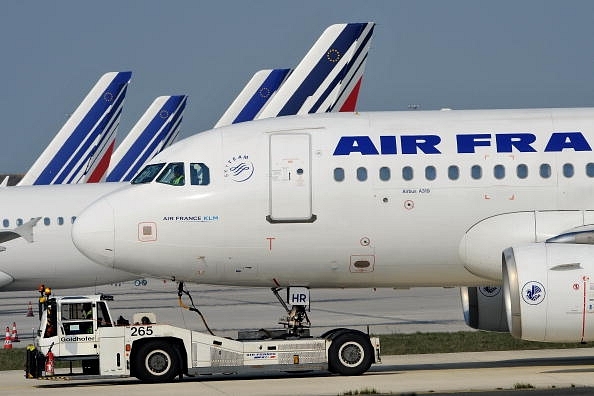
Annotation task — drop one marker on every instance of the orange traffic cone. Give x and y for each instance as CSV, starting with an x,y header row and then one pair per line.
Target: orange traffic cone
x,y
7,341
14,337
30,310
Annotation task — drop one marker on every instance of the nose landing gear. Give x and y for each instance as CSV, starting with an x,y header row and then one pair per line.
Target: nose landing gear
x,y
296,321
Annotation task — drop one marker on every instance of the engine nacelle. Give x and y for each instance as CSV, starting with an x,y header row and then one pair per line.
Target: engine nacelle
x,y
483,308
548,291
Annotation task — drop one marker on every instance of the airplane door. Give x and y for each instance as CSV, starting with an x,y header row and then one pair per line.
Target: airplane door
x,y
290,179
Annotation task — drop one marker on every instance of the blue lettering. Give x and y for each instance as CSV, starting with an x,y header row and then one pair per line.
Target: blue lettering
x,y
355,144
426,143
388,144
467,143
520,141
567,140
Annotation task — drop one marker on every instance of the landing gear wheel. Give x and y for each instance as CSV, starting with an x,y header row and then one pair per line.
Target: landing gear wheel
x,y
350,353
156,362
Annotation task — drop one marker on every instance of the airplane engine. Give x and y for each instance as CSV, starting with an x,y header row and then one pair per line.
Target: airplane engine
x,y
483,308
548,291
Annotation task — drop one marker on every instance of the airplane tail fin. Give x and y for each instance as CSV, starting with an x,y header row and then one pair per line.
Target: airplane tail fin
x,y
85,137
156,129
328,77
254,96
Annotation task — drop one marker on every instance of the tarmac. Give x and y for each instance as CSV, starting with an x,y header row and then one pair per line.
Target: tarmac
x,y
554,371
382,311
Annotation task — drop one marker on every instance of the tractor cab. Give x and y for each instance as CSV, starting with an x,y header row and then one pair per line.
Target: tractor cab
x,y
70,324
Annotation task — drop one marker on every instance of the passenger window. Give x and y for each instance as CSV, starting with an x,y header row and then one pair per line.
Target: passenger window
x,y
46,221
60,221
361,174
147,174
590,169
384,173
407,173
499,172
338,174
522,171
72,219
476,172
5,223
430,173
199,174
545,171
173,174
19,222
453,172
568,170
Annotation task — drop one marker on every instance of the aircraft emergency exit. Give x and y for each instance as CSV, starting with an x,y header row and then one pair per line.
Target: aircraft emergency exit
x,y
395,199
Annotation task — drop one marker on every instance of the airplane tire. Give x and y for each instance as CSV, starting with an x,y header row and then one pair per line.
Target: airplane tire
x,y
350,353
156,361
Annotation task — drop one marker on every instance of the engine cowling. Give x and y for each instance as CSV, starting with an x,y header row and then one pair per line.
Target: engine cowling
x,y
548,291
483,308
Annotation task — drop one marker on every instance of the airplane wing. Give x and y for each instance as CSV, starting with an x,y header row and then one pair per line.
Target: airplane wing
x,y
329,76
23,231
156,129
254,96
84,140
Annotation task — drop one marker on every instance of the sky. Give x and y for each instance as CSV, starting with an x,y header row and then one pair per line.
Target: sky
x,y
460,54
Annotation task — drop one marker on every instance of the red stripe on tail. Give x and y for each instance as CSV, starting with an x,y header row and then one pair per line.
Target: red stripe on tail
x,y
101,168
351,102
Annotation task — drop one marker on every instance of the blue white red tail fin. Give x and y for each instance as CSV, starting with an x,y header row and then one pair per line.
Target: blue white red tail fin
x,y
85,138
156,129
328,77
254,96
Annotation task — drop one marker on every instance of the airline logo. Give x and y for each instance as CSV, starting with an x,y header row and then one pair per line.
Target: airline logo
x,y
465,143
95,128
328,75
533,293
239,168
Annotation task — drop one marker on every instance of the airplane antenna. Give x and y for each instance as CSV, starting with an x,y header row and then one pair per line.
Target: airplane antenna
x,y
180,292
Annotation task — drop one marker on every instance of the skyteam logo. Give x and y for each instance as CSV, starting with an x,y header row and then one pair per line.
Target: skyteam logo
x,y
239,168
489,291
533,293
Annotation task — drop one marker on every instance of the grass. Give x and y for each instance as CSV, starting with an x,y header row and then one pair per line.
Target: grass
x,y
392,344
462,341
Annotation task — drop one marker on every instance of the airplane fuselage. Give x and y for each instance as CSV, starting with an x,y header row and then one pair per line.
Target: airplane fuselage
x,y
356,200
51,257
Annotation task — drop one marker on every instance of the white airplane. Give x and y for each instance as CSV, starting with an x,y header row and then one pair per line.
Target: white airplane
x,y
35,247
83,146
40,250
394,199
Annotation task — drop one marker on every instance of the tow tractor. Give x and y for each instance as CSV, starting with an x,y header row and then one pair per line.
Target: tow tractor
x,y
81,328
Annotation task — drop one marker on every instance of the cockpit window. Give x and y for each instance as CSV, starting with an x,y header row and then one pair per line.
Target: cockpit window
x,y
173,174
147,174
199,174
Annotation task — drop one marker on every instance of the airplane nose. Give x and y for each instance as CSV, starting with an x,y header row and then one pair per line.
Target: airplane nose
x,y
93,233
